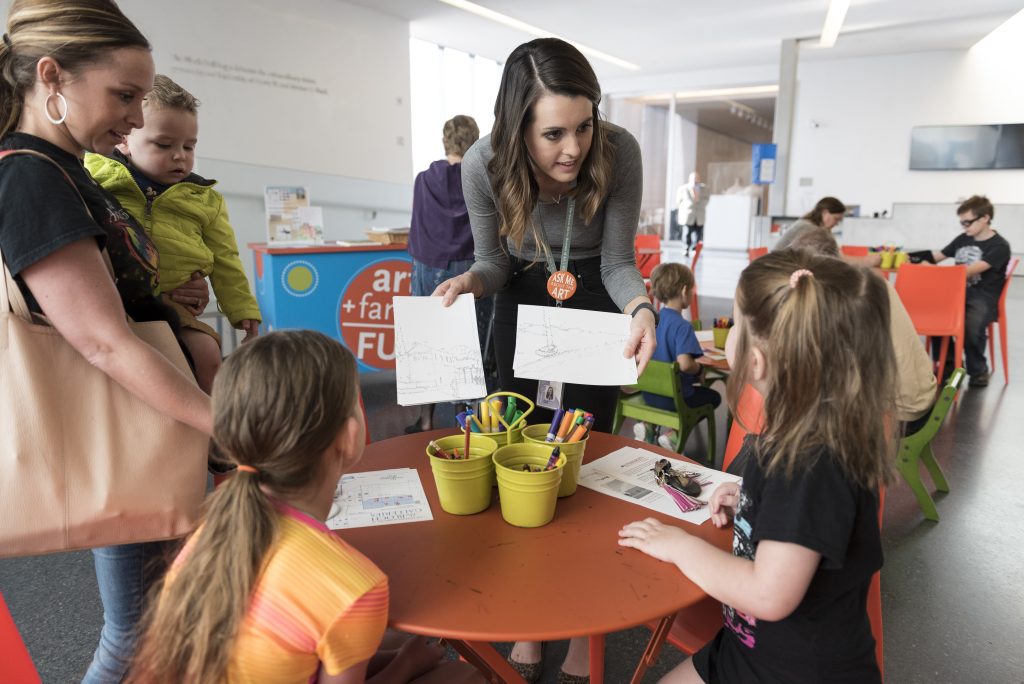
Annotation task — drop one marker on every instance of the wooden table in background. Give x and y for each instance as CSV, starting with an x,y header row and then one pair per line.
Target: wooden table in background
x,y
476,579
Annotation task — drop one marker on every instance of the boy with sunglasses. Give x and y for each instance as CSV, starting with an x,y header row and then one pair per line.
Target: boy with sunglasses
x,y
985,253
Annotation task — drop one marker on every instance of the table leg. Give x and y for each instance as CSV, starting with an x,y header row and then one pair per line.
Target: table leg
x,y
597,659
490,663
653,648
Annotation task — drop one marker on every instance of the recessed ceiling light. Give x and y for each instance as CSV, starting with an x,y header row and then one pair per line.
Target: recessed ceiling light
x,y
833,22
512,22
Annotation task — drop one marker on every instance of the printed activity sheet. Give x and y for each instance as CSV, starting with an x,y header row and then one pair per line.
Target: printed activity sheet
x,y
628,474
380,497
437,351
572,345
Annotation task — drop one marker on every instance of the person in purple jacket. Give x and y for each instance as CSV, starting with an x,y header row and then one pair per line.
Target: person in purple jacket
x,y
440,240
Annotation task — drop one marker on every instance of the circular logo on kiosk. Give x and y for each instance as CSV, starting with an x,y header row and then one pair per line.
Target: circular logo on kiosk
x,y
366,315
299,278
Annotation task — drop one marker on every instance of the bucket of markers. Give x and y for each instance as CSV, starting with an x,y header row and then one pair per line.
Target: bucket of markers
x,y
463,484
573,452
527,490
501,416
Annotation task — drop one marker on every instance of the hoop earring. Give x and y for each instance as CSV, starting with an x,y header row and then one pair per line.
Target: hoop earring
x,y
46,109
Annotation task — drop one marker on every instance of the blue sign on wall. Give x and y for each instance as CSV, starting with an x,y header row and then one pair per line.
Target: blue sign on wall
x,y
764,164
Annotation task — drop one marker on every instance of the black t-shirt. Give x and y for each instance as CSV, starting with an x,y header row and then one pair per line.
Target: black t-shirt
x,y
828,637
40,213
995,252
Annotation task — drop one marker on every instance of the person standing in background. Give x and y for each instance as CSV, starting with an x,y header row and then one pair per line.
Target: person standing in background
x,y
440,238
692,199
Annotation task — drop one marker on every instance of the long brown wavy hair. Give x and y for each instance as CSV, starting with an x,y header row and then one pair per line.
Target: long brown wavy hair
x,y
76,33
541,67
831,371
278,404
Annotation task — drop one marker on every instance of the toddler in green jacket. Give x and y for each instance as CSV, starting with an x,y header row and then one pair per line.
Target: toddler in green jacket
x,y
150,173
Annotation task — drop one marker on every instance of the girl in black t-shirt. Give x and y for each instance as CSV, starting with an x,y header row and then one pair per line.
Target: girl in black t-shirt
x,y
806,538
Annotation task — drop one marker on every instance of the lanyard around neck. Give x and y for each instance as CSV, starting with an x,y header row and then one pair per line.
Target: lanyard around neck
x,y
566,240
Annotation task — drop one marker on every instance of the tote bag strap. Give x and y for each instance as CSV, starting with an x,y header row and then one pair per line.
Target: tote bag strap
x,y
11,298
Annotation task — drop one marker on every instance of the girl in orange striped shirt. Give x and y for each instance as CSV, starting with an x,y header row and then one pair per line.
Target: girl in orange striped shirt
x,y
263,591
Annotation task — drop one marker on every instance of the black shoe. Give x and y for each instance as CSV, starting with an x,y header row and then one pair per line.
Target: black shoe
x,y
979,380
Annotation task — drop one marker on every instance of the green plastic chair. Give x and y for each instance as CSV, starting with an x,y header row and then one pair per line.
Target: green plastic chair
x,y
662,378
917,448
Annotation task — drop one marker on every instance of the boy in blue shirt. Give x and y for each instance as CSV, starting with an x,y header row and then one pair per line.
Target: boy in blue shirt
x,y
672,285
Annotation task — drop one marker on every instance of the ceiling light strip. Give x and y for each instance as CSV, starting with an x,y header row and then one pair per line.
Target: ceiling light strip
x,y
511,22
833,22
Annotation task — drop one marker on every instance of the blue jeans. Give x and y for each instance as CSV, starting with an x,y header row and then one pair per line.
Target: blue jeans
x,y
125,575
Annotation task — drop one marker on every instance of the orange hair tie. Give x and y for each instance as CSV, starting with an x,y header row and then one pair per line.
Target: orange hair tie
x,y
248,469
797,274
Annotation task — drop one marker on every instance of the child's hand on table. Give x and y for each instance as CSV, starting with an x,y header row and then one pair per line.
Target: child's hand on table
x,y
723,503
654,538
251,328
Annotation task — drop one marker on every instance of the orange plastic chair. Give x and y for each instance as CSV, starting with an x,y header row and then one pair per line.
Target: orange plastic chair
x,y
1001,322
854,250
648,253
694,306
692,627
15,662
755,253
935,297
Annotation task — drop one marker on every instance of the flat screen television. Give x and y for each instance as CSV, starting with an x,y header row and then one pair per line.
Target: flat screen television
x,y
943,148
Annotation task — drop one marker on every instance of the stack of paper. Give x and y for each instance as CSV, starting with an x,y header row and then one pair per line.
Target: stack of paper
x,y
381,497
628,474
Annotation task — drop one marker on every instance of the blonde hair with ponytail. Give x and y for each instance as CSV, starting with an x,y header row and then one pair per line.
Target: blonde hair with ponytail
x,y
279,402
823,327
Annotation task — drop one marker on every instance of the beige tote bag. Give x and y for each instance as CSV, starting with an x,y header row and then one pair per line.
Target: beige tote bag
x,y
84,463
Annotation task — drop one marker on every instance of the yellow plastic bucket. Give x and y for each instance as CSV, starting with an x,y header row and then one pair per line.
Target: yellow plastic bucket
x,y
464,485
887,259
573,453
720,335
527,499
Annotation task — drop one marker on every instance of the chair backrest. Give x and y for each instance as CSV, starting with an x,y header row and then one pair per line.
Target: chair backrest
x,y
934,296
854,250
942,406
1011,266
660,378
756,252
648,253
750,412
15,662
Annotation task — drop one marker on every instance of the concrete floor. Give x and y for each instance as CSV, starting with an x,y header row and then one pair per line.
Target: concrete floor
x,y
953,591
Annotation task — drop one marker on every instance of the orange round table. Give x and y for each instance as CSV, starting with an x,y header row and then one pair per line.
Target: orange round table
x,y
476,579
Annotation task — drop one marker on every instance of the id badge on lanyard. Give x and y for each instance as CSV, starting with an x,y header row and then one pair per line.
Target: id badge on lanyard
x,y
561,283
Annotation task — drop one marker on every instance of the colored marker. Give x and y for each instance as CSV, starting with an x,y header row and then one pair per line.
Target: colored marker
x,y
516,418
495,415
577,419
581,430
438,451
556,422
510,410
485,417
563,429
467,442
553,460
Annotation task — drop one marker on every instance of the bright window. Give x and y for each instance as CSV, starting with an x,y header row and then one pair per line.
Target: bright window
x,y
447,82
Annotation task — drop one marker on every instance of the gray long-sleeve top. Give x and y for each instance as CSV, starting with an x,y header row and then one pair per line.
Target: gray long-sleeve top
x,y
611,234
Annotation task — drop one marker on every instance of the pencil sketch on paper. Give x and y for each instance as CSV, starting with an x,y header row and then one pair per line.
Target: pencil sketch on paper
x,y
572,345
437,351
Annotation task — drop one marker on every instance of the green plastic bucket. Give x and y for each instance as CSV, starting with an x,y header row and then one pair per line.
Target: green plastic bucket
x,y
573,453
464,485
527,499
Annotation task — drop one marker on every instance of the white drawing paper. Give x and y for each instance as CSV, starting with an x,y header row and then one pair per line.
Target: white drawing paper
x,y
381,497
572,345
437,351
628,474
705,336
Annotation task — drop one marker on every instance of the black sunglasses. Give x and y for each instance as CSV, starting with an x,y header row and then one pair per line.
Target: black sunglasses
x,y
966,223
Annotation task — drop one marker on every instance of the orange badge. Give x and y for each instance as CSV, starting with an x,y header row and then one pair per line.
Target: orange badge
x,y
561,285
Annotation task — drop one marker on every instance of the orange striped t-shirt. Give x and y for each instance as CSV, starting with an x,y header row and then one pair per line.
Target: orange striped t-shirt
x,y
317,601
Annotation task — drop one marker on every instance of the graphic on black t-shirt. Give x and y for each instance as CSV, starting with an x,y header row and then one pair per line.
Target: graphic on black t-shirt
x,y
967,255
131,250
741,624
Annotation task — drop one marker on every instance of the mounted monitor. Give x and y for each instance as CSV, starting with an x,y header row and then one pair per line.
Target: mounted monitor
x,y
943,148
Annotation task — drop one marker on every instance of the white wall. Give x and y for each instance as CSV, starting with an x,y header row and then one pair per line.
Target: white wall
x,y
865,109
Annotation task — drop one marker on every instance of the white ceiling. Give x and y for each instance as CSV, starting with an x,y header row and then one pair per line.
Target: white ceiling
x,y
678,36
